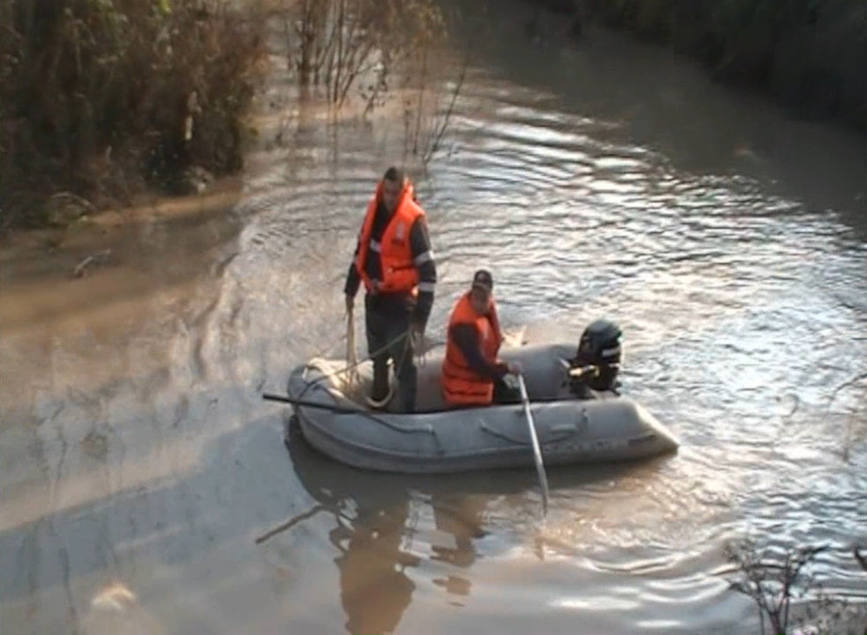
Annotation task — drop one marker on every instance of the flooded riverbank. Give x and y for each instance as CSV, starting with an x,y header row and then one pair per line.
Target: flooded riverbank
x,y
139,463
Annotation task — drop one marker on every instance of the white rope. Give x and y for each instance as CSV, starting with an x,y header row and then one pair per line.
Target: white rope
x,y
351,356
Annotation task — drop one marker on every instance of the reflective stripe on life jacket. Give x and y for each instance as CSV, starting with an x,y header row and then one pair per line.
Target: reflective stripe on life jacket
x,y
399,274
461,384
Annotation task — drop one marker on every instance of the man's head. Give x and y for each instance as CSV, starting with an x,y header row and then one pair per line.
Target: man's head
x,y
481,291
392,186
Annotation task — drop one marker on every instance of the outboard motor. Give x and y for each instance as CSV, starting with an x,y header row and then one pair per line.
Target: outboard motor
x,y
599,355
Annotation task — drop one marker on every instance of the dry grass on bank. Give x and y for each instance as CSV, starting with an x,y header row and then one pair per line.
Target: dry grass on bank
x,y
100,99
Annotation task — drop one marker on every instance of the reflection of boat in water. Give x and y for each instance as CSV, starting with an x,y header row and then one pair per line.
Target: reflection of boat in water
x,y
374,587
573,426
386,538
376,517
334,485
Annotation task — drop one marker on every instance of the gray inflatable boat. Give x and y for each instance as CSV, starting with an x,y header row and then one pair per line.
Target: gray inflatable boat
x,y
599,426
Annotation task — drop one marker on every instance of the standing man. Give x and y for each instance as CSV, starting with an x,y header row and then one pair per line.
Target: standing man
x,y
395,262
471,374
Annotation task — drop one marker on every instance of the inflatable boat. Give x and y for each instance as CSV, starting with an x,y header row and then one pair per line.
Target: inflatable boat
x,y
579,415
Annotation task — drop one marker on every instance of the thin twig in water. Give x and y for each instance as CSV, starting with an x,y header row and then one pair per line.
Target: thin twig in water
x,y
845,385
83,202
81,267
771,584
420,107
290,523
849,435
438,135
862,560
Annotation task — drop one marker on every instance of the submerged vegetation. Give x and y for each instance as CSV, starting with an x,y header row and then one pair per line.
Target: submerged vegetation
x,y
787,593
379,49
341,44
103,99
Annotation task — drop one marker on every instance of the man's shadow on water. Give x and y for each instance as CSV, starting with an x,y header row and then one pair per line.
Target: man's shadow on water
x,y
376,517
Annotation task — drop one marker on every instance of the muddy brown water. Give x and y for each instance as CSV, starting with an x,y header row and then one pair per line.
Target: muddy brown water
x,y
138,464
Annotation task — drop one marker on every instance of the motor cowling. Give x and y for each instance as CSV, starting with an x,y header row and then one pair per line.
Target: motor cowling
x,y
599,348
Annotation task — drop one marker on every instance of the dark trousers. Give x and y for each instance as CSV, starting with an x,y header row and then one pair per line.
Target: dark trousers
x,y
387,318
505,395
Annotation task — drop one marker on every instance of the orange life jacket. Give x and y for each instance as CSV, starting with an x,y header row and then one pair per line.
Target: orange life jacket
x,y
399,274
461,384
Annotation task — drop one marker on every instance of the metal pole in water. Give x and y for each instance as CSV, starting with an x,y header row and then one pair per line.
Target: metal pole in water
x,y
537,451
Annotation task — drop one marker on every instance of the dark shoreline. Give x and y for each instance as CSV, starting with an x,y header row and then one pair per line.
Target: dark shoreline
x,y
808,55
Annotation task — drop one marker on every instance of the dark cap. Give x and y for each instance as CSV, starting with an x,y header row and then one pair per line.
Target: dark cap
x,y
483,280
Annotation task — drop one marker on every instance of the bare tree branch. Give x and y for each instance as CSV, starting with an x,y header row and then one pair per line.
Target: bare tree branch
x,y
844,385
445,120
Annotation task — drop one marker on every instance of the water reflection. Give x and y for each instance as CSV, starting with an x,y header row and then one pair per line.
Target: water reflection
x,y
370,523
394,533
458,521
380,536
374,587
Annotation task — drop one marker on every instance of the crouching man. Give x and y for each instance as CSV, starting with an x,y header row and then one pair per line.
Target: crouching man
x,y
471,373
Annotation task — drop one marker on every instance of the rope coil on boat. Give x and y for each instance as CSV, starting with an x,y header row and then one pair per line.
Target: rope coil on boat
x,y
423,428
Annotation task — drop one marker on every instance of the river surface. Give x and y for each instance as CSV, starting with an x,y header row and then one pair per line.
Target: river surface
x,y
138,464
